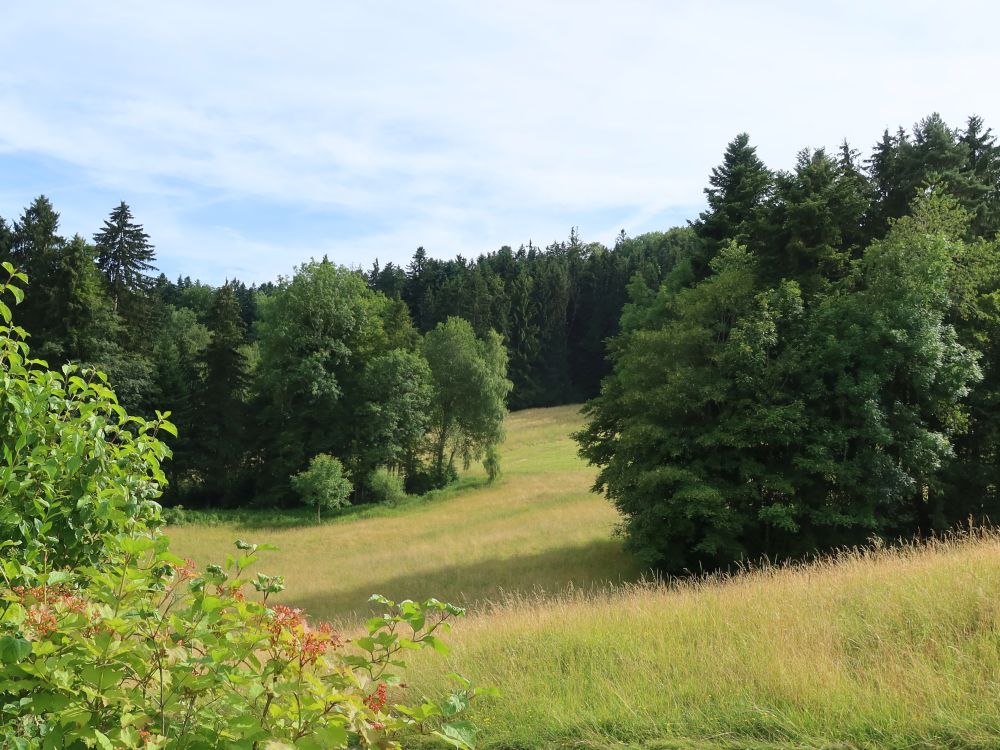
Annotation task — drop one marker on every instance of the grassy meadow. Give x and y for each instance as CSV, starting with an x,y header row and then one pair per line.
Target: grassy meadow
x,y
898,648
537,529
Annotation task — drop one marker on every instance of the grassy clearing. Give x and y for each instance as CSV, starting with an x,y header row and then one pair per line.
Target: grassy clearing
x,y
896,649
892,649
539,528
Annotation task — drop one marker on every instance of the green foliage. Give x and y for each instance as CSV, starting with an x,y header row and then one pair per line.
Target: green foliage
x,y
333,346
324,485
491,462
889,380
678,428
744,420
317,334
737,201
470,392
386,486
398,391
220,401
75,465
124,254
144,651
107,640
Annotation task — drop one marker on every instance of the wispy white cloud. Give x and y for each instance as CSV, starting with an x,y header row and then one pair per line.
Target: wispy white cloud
x,y
365,130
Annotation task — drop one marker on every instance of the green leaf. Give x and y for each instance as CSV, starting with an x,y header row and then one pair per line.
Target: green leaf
x,y
455,704
102,740
330,736
49,702
438,645
460,734
13,649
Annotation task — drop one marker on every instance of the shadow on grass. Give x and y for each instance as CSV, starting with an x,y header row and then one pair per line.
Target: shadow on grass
x,y
293,518
598,565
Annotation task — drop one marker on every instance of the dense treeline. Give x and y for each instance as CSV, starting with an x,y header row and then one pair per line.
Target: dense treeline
x,y
393,369
554,307
777,317
262,381
823,369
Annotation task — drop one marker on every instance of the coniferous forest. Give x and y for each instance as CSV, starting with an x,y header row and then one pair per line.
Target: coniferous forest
x,y
809,363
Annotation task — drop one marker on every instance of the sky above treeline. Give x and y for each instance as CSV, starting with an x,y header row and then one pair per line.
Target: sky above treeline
x,y
251,136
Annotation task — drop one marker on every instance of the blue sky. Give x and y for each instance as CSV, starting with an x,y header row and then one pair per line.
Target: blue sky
x,y
248,137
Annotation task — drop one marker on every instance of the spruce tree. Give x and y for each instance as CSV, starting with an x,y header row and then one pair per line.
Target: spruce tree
x,y
6,240
817,210
220,403
36,250
86,323
983,163
737,197
886,166
124,254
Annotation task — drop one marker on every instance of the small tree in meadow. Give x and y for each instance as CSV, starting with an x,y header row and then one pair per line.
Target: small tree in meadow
x,y
324,484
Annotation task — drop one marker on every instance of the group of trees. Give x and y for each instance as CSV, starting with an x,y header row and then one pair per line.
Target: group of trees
x,y
809,363
554,307
110,640
262,381
822,368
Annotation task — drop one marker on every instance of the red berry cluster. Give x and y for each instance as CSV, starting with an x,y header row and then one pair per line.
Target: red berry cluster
x,y
233,592
297,639
377,700
186,571
43,603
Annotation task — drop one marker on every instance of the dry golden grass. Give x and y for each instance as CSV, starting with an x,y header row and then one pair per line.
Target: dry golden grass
x,y
539,527
894,649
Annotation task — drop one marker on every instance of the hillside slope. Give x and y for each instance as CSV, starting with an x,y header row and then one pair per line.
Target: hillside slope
x,y
897,649
539,527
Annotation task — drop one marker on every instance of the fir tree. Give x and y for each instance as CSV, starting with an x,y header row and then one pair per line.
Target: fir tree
x,y
738,192
983,162
124,254
221,406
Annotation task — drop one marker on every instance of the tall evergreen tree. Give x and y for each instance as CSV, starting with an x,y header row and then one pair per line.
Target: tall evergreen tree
x,y
220,427
36,249
813,222
983,162
887,168
124,254
737,198
84,323
6,240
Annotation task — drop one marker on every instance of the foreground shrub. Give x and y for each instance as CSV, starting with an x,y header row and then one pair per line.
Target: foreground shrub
x,y
74,465
107,640
145,652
